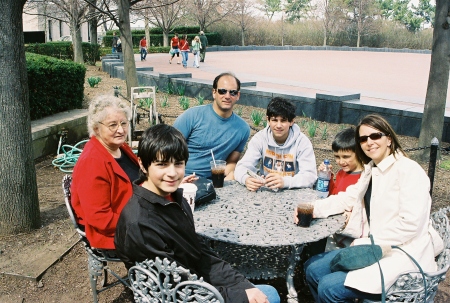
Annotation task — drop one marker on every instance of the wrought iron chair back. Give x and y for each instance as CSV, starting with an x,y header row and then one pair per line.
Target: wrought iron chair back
x,y
409,287
97,258
162,281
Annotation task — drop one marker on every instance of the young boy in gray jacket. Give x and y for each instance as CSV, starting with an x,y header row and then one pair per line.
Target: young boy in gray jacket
x,y
285,155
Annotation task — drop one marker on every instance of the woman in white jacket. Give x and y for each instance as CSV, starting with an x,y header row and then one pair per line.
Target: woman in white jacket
x,y
392,202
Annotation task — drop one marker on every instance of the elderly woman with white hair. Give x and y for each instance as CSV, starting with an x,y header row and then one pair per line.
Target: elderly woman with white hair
x,y
103,175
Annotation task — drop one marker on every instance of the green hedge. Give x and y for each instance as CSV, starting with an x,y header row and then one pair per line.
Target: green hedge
x,y
54,85
64,50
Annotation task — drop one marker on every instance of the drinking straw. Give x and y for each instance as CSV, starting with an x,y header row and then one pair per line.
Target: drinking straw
x,y
214,160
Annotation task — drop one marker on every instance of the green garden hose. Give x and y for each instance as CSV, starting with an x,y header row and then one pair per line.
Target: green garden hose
x,y
66,160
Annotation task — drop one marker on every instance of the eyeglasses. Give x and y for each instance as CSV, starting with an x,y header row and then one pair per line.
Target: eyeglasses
x,y
222,91
374,136
114,126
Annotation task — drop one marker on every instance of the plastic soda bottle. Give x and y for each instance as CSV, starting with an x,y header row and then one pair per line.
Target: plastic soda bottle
x,y
323,180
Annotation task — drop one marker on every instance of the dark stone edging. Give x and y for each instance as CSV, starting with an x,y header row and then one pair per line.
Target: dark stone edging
x,y
339,107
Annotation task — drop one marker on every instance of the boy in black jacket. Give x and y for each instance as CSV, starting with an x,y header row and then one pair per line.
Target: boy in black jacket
x,y
158,222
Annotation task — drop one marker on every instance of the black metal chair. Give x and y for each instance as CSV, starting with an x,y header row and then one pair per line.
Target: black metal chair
x,y
162,281
97,258
409,286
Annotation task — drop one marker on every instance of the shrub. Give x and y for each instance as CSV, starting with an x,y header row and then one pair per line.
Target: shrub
x,y
256,116
184,102
64,50
238,110
54,85
94,81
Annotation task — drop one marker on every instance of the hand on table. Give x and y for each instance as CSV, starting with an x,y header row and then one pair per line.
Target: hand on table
x,y
254,295
190,178
295,216
253,184
274,181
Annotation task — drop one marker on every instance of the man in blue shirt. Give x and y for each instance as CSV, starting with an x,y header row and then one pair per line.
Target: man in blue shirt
x,y
215,127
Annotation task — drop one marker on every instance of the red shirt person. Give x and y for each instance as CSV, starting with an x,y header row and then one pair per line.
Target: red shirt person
x,y
103,175
174,50
143,48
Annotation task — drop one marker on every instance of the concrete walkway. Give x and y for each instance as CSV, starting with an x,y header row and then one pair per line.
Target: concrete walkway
x,y
381,77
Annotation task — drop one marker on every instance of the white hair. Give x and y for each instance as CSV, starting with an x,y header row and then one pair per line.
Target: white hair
x,y
97,110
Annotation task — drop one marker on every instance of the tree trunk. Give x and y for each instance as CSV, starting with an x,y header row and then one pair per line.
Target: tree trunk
x,y
243,37
434,110
76,33
19,202
93,23
165,38
129,63
147,30
93,30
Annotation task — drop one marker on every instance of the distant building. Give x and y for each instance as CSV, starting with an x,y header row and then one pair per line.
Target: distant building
x,y
40,28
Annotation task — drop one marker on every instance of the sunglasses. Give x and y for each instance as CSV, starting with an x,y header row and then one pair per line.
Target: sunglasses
x,y
374,136
222,91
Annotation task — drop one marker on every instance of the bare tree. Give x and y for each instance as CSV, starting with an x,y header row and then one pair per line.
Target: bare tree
x,y
19,202
165,14
72,12
93,22
331,14
362,13
270,7
243,17
208,12
436,97
120,15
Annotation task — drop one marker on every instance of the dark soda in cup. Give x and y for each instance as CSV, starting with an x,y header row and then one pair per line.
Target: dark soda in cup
x,y
305,213
218,175
218,172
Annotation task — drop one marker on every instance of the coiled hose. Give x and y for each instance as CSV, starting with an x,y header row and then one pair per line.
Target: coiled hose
x,y
66,160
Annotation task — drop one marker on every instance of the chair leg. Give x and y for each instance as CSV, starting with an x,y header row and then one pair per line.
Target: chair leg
x,y
104,280
95,268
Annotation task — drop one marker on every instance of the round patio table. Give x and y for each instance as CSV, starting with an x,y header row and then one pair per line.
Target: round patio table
x,y
255,231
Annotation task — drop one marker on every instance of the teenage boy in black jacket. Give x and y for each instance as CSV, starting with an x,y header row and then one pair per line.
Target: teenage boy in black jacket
x,y
158,221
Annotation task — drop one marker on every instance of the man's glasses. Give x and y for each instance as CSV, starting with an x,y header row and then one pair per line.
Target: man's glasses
x,y
222,91
374,136
113,127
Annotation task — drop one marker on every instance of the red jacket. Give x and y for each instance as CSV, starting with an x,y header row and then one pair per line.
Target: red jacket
x,y
100,189
184,45
174,42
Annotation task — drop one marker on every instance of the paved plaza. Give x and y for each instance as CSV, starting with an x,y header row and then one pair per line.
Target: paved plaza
x,y
382,78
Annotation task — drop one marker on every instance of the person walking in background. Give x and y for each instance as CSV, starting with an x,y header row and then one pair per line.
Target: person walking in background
x,y
175,44
114,43
196,47
143,48
184,48
204,42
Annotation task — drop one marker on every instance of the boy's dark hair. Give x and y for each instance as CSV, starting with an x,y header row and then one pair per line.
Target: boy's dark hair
x,y
344,140
281,107
162,142
216,80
